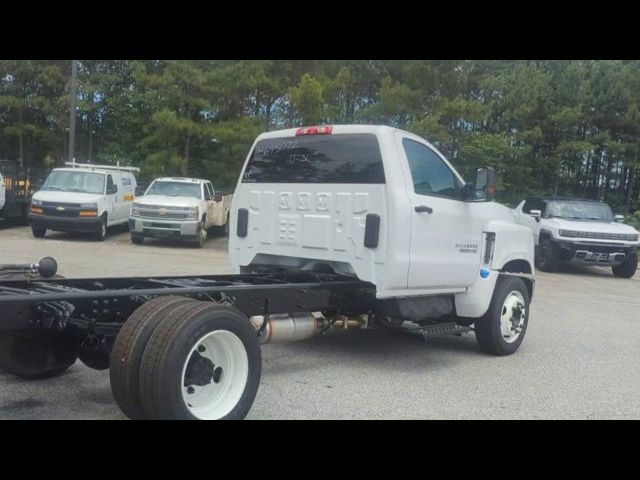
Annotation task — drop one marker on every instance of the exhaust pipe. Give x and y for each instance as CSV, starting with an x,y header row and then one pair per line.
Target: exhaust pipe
x,y
286,327
282,328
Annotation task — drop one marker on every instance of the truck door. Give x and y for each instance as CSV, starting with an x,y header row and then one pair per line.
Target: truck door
x,y
445,236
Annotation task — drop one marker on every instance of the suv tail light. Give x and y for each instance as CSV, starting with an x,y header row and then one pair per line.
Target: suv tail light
x,y
325,130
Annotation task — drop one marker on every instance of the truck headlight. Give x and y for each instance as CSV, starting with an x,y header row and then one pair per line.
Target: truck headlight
x,y
490,244
135,211
36,203
89,206
194,214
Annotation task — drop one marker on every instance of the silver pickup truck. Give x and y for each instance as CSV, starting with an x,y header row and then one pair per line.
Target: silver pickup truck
x,y
181,209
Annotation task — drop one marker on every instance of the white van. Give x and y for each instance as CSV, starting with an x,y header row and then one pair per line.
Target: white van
x,y
83,198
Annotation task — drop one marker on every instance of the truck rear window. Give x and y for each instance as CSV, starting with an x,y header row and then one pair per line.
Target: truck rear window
x,y
342,158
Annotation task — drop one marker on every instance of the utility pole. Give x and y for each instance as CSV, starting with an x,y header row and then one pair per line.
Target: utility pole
x,y
72,108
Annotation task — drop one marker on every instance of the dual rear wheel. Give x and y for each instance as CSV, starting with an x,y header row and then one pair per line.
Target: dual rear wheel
x,y
178,359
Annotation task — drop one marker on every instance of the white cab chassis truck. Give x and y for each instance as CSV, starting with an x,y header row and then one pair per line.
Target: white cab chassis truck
x,y
581,232
332,228
180,208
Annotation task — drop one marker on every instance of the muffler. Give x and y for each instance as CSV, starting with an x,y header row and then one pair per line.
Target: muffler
x,y
282,328
286,327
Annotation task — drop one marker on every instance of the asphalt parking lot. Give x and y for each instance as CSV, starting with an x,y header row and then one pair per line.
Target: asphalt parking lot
x,y
579,359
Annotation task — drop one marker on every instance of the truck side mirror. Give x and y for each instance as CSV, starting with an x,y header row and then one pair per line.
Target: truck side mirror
x,y
619,218
484,184
536,214
111,189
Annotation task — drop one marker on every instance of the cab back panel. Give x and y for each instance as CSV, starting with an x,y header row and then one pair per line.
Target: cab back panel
x,y
308,198
312,222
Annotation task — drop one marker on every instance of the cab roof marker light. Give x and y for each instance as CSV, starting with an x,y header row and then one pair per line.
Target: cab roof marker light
x,y
324,130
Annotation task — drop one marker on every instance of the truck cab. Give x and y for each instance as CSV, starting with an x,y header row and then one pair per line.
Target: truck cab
x,y
382,205
83,198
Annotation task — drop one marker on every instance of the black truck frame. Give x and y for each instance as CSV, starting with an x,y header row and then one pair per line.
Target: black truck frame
x,y
102,305
48,322
152,333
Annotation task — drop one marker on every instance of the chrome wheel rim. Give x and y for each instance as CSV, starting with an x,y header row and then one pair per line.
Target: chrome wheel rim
x,y
513,315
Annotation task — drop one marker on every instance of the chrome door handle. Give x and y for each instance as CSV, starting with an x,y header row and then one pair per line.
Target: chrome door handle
x,y
423,208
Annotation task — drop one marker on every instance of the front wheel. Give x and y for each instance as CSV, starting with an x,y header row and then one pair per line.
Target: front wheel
x,y
137,239
39,232
501,330
202,236
626,269
546,256
101,234
206,365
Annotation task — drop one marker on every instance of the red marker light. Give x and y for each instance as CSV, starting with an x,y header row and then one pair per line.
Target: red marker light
x,y
324,130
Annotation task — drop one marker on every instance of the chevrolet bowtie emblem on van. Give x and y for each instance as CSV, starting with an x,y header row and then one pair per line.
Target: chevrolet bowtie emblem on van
x,y
60,209
162,211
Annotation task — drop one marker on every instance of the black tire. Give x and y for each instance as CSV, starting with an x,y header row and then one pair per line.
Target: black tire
x,y
38,232
38,355
126,355
168,349
101,233
137,239
202,239
223,230
24,216
626,269
546,257
487,328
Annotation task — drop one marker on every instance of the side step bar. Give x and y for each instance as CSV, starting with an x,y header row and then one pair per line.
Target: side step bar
x,y
438,330
443,329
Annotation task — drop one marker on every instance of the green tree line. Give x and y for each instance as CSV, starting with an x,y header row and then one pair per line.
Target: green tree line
x,y
548,127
